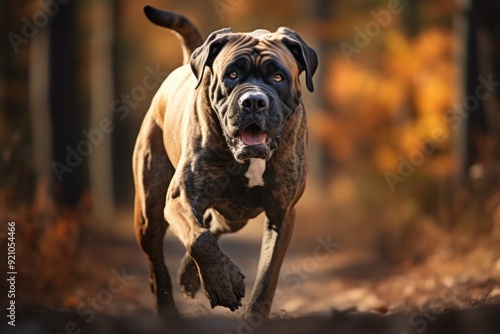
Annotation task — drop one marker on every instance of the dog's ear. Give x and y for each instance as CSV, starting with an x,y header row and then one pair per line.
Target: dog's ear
x,y
205,54
306,57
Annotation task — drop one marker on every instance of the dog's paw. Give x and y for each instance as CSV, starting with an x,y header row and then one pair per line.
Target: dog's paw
x,y
189,279
223,284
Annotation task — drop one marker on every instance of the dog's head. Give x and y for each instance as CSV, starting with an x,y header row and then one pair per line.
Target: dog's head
x,y
254,85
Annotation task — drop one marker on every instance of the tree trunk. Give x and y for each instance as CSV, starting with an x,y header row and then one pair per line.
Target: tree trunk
x,y
16,173
462,32
101,117
476,137
322,163
69,148
40,118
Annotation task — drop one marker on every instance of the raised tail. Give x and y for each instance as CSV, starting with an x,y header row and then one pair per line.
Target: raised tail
x,y
186,31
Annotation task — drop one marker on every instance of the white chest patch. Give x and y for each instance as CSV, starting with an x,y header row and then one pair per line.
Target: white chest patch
x,y
255,172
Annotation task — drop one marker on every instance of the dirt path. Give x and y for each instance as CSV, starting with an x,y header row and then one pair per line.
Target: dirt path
x,y
317,277
322,284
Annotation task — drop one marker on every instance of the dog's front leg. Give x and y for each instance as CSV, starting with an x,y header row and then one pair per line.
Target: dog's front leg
x,y
277,234
220,278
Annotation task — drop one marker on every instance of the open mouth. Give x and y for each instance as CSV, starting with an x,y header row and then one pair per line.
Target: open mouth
x,y
253,135
252,142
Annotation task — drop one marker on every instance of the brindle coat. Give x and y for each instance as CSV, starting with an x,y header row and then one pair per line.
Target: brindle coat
x,y
191,167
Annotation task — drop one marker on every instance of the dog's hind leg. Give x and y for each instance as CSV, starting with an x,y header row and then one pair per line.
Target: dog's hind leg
x,y
152,174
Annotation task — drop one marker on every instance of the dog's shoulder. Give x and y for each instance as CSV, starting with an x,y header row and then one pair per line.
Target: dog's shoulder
x,y
180,78
174,91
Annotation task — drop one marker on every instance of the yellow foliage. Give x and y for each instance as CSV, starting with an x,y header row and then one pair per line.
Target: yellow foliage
x,y
399,99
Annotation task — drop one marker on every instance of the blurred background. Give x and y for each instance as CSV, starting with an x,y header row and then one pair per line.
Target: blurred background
x,y
404,145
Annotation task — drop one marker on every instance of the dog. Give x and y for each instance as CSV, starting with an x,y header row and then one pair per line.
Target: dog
x,y
224,140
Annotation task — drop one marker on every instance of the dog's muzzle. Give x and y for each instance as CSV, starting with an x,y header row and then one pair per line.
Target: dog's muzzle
x,y
252,103
254,134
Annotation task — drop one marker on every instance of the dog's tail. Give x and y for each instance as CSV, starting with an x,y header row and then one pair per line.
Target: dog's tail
x,y
187,32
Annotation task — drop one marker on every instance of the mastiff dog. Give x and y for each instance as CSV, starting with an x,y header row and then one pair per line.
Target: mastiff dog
x,y
224,140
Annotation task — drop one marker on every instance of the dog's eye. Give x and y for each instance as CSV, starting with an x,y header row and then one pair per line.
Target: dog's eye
x,y
232,75
278,78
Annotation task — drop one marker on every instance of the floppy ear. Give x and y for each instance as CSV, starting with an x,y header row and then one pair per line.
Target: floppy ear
x,y
205,54
306,57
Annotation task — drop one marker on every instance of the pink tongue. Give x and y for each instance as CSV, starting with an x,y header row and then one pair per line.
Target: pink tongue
x,y
253,137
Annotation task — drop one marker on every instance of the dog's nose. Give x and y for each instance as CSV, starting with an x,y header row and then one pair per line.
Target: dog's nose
x,y
254,101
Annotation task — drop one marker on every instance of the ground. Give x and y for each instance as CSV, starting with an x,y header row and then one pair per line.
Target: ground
x,y
323,283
